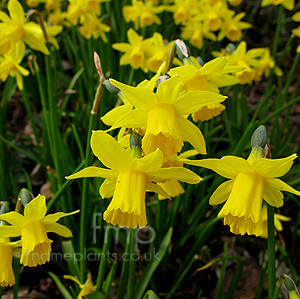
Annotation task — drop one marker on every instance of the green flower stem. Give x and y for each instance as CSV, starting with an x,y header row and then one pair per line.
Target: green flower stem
x,y
132,262
1,292
104,257
16,268
125,269
275,45
278,288
88,155
271,251
30,115
291,75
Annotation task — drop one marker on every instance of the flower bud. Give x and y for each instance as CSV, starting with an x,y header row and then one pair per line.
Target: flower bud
x,y
182,49
161,79
259,137
26,196
111,88
135,145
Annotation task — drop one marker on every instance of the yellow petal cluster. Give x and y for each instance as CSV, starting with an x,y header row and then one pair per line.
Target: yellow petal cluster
x,y
128,179
33,227
250,182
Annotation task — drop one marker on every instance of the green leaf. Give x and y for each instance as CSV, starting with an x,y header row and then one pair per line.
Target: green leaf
x,y
152,266
150,295
60,286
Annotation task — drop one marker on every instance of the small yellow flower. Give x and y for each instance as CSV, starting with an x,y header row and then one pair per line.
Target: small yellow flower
x,y
287,4
163,115
16,29
134,51
7,277
142,14
128,179
86,288
233,26
9,65
214,74
33,228
250,182
156,51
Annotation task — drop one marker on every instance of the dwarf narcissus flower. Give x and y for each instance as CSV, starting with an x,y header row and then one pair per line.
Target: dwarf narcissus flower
x,y
142,14
287,4
7,277
128,179
157,52
134,51
86,288
214,74
250,181
10,65
277,222
33,228
16,29
233,26
163,115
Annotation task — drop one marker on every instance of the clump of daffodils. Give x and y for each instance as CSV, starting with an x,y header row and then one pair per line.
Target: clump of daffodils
x,y
147,54
208,19
254,62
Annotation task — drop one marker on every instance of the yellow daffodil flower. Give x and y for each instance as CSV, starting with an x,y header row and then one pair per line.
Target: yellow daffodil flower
x,y
287,4
7,277
209,77
9,65
183,10
195,31
277,222
142,14
233,26
266,64
134,51
250,181
32,227
49,4
16,29
86,288
156,51
128,179
81,10
163,115
249,60
93,27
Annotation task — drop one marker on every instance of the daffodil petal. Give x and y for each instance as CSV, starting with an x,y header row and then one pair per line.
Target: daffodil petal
x,y
109,151
131,119
91,172
192,134
273,197
141,98
177,173
52,218
13,218
273,167
16,11
157,189
214,164
237,163
107,188
150,163
280,185
36,209
7,231
115,114
193,101
221,194
167,91
58,229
